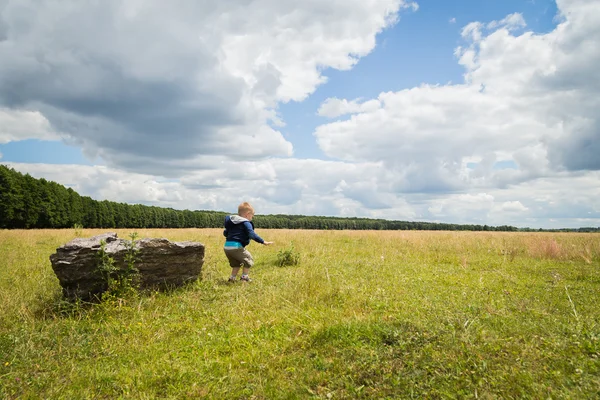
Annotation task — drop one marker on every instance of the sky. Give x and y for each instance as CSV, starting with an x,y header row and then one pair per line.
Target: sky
x,y
466,112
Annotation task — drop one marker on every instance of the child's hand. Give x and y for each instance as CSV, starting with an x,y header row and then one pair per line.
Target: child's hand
x,y
267,243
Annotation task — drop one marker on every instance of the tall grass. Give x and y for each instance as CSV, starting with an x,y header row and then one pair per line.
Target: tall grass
x,y
362,315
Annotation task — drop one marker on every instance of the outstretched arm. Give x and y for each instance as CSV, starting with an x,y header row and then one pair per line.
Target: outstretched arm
x,y
253,235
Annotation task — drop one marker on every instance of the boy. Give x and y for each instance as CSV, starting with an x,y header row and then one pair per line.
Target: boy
x,y
239,229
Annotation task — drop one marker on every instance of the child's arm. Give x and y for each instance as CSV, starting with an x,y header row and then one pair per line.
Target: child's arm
x,y
253,234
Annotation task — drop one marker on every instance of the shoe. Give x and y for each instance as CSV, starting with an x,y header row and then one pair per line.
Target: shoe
x,y
231,279
245,278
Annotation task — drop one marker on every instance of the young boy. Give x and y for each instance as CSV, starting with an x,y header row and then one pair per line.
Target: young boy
x,y
239,229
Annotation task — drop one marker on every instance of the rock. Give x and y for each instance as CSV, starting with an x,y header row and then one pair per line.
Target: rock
x,y
161,264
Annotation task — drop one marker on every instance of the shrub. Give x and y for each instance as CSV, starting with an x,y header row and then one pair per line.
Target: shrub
x,y
288,257
122,283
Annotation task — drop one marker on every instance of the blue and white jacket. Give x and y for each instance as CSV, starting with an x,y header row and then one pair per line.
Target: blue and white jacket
x,y
238,230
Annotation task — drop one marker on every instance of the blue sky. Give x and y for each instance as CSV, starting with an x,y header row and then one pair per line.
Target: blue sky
x,y
431,110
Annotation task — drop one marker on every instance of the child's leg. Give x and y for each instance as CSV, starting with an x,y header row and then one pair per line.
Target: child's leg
x,y
234,262
248,263
237,258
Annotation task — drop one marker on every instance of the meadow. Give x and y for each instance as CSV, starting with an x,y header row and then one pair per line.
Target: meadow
x,y
364,314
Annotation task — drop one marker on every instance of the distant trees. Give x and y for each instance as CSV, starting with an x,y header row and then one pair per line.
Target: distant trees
x,y
28,203
335,223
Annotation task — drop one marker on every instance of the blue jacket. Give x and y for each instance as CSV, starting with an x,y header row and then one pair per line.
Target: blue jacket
x,y
239,229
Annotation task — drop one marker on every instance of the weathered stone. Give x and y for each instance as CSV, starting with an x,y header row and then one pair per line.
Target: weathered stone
x,y
161,263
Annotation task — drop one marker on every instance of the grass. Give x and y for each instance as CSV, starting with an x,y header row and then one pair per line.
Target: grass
x,y
362,315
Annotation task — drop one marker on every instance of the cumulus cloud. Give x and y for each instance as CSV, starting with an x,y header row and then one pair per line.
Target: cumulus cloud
x,y
528,100
153,81
334,107
524,100
557,202
513,206
18,125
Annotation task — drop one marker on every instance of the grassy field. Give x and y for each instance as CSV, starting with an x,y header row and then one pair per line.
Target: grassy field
x,y
363,315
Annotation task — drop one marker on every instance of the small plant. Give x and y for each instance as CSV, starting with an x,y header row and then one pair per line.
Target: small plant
x,y
106,265
78,229
121,283
288,257
131,272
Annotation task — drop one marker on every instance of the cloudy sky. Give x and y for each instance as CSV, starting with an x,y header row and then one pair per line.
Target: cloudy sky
x,y
466,111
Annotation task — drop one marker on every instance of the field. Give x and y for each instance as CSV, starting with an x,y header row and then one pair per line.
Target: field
x,y
364,314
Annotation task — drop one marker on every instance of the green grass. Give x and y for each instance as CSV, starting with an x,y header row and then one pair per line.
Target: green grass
x,y
362,315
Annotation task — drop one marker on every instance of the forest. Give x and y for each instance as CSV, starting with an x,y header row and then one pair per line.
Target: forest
x,y
30,203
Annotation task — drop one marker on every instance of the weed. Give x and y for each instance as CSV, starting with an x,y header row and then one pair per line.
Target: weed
x,y
78,228
121,283
288,257
106,265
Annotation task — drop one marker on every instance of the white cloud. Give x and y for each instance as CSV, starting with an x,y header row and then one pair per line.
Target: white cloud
x,y
529,99
513,206
462,208
511,22
18,125
153,81
511,106
427,136
334,107
413,5
452,20
557,202
472,31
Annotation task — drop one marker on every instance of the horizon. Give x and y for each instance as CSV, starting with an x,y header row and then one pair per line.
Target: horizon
x,y
326,217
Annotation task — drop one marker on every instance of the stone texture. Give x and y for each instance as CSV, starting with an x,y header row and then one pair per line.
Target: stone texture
x,y
161,263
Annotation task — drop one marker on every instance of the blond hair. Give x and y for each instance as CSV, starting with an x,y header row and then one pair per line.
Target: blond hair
x,y
244,208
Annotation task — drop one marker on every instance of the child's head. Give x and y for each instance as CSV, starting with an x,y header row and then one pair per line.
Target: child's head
x,y
246,210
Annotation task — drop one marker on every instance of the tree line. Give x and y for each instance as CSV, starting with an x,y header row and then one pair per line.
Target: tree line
x,y
30,203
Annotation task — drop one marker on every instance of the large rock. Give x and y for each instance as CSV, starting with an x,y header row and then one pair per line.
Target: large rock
x,y
161,263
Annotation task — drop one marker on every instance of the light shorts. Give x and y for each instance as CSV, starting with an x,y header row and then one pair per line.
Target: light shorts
x,y
238,257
